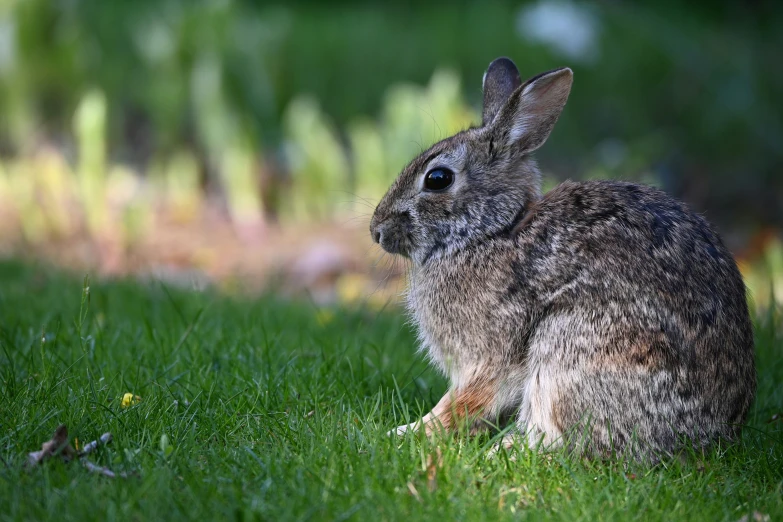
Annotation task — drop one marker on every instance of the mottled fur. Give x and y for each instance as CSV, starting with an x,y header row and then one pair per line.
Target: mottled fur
x,y
603,314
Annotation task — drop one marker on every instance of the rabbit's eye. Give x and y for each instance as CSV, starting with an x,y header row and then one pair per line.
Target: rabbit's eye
x,y
438,179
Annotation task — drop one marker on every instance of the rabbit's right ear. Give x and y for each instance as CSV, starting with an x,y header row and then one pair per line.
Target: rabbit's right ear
x,y
531,111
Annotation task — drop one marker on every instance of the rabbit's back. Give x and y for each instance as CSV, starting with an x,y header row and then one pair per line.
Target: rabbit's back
x,y
642,323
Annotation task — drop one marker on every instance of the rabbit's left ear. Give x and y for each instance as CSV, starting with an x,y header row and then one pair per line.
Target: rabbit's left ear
x,y
500,81
527,118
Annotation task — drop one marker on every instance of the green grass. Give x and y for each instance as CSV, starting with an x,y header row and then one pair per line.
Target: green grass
x,y
273,416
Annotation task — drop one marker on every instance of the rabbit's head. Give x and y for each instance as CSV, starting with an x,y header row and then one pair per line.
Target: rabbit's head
x,y
478,182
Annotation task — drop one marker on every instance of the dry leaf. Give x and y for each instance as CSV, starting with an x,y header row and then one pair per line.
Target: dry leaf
x,y
57,444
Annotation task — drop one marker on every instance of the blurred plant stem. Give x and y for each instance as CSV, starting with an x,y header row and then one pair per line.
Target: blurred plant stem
x,y
55,187
238,170
90,129
371,173
21,185
228,143
318,163
130,206
182,187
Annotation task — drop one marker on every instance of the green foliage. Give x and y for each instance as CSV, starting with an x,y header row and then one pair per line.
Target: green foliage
x,y
239,172
40,193
325,173
764,276
132,214
90,130
319,168
413,118
227,139
51,201
181,186
678,93
255,409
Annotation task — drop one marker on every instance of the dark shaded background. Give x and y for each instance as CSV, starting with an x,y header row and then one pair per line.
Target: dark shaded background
x,y
686,95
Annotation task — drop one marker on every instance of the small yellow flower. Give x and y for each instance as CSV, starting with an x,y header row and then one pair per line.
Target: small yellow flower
x,y
129,400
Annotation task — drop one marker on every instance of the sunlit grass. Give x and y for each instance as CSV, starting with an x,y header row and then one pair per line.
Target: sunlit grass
x,y
261,409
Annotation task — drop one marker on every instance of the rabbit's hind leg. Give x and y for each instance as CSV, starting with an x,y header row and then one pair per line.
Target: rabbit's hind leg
x,y
538,420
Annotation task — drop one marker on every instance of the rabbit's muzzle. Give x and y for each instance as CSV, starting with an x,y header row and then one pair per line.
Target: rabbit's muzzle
x,y
393,233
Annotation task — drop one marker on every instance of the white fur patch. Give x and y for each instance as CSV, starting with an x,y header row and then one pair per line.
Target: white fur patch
x,y
536,411
519,129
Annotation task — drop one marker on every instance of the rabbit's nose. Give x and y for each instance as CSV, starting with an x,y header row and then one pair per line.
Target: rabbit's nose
x,y
377,234
377,231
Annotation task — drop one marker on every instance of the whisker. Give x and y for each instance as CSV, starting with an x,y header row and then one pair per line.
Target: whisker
x,y
358,197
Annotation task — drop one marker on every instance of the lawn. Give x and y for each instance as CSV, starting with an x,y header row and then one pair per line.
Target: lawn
x,y
256,408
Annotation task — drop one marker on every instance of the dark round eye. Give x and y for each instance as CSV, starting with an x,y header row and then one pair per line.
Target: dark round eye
x,y
438,179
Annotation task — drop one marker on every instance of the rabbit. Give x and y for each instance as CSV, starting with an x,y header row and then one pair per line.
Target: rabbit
x,y
603,316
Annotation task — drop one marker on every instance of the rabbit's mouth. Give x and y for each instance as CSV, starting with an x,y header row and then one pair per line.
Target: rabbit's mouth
x,y
394,234
396,246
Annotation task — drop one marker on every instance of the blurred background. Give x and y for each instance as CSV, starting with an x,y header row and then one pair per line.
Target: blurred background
x,y
244,144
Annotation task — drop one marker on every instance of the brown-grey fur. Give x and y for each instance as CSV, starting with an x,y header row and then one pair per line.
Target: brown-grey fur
x,y
605,314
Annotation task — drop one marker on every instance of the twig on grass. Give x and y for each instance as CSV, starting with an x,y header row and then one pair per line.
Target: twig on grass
x,y
106,472
59,445
92,446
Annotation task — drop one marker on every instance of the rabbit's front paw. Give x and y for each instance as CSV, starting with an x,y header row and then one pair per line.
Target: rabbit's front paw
x,y
509,442
401,430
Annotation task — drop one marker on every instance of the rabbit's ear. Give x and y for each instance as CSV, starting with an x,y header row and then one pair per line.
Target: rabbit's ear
x,y
533,109
500,80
